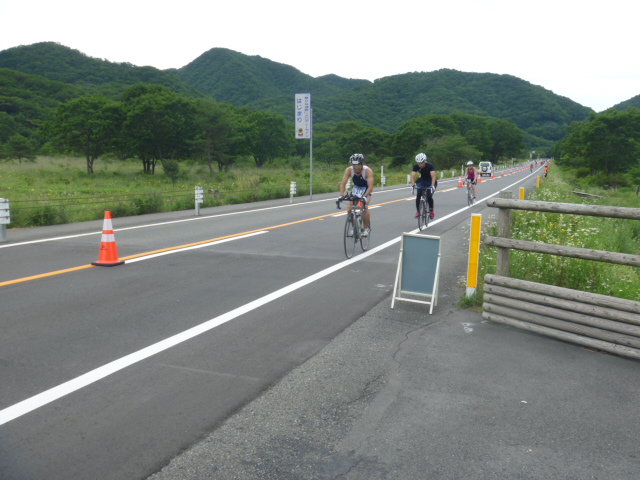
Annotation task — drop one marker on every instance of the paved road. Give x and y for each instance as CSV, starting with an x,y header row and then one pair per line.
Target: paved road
x,y
111,372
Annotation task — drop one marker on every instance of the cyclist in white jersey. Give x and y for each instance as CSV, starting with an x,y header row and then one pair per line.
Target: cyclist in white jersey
x,y
362,178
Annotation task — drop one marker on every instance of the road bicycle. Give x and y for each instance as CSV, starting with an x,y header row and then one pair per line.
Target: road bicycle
x,y
470,198
425,211
354,225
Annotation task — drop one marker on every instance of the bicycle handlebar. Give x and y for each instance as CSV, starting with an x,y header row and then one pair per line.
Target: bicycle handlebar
x,y
350,198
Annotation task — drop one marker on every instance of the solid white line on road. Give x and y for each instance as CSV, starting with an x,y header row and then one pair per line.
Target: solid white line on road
x,y
30,404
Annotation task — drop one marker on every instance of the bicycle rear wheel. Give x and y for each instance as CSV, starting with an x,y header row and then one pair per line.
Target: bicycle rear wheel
x,y
423,219
364,241
469,197
350,236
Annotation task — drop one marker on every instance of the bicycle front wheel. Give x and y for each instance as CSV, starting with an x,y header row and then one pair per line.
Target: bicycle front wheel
x,y
423,219
350,236
469,197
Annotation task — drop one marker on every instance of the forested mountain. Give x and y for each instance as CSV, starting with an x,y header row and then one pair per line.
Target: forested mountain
x,y
57,62
632,102
232,77
261,84
26,101
387,103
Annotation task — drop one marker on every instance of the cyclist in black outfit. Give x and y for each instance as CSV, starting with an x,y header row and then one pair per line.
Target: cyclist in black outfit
x,y
427,179
362,178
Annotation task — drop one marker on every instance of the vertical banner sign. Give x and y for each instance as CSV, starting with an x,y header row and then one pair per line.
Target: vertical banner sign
x,y
303,115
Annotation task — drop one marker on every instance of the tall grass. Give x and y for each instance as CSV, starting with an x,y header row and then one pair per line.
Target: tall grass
x,y
56,190
609,234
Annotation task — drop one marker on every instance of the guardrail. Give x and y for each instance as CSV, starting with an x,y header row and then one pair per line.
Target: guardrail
x,y
598,321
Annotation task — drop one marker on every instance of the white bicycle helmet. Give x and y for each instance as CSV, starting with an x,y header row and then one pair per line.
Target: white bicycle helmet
x,y
421,157
469,162
356,159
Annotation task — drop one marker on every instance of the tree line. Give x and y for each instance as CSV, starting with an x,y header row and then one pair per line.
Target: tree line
x,y
154,125
606,146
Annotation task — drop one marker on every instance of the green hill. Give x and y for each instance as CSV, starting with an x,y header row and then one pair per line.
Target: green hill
x,y
57,62
632,102
26,101
232,77
261,84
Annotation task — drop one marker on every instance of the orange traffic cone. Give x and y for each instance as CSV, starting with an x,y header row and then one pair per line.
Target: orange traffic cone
x,y
502,173
492,177
479,178
108,256
460,181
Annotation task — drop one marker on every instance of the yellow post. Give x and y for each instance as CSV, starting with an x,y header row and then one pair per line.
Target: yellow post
x,y
521,193
538,183
474,254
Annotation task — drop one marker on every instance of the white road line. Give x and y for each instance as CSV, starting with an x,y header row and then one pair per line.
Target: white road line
x,y
53,239
33,403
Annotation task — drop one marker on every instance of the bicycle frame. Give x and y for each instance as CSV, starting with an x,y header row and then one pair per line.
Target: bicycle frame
x,y
354,225
470,197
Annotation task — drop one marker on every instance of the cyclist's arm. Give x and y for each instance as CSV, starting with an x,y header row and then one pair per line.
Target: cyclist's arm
x,y
413,178
369,183
433,178
345,179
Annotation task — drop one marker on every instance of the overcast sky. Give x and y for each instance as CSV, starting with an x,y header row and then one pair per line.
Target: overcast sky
x,y
586,51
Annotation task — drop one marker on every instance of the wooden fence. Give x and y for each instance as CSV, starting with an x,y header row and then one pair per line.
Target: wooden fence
x,y
597,321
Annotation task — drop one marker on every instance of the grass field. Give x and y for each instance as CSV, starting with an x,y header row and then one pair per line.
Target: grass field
x,y
56,190
608,234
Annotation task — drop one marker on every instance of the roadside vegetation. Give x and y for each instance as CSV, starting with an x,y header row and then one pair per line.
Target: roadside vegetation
x,y
55,190
609,234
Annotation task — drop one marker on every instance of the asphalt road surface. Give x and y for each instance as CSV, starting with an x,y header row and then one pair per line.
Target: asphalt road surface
x,y
110,373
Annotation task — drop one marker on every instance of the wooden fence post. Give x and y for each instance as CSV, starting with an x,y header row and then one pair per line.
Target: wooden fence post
x,y
503,265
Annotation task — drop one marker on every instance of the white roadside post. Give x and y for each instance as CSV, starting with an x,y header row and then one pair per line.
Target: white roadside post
x,y
199,199
293,189
383,179
4,218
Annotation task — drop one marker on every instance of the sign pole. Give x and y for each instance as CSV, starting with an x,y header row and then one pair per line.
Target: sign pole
x,y
303,122
311,159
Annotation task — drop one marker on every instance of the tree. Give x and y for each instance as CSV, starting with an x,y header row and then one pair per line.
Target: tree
x,y
608,142
507,140
159,124
450,151
415,132
353,137
475,129
268,137
20,148
214,138
86,124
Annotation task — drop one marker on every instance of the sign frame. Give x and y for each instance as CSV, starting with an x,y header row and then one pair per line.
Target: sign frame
x,y
418,270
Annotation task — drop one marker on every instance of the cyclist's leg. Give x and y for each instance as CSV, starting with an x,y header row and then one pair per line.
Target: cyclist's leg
x,y
420,191
430,198
366,216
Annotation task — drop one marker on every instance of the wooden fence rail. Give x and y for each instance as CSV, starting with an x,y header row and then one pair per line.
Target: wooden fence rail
x,y
597,321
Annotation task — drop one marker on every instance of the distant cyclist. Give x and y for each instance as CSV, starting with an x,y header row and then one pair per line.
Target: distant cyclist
x,y
362,178
472,174
427,180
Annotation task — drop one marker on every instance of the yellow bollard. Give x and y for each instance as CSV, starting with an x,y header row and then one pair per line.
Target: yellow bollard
x,y
521,193
474,254
538,183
